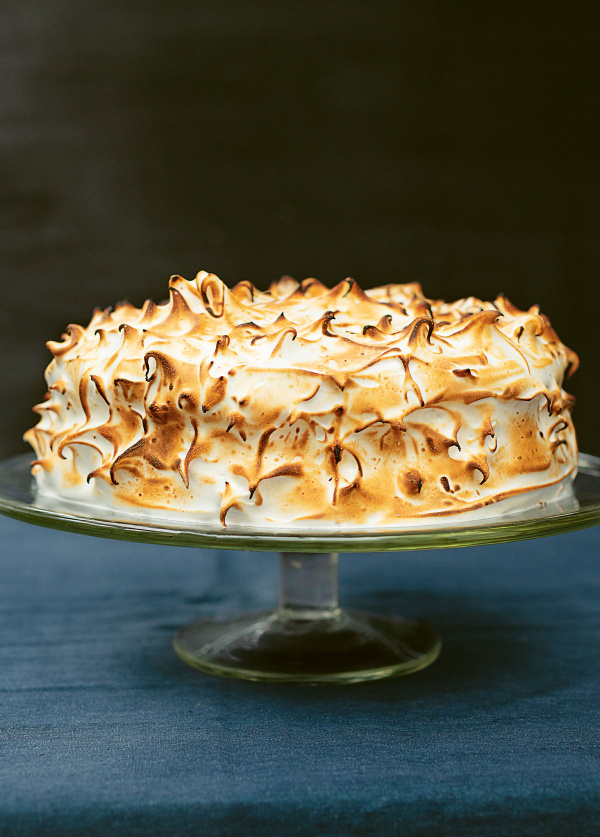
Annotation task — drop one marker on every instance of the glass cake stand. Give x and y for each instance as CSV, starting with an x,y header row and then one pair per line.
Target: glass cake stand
x,y
308,638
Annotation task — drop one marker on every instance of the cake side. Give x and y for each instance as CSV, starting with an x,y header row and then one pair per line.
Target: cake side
x,y
305,404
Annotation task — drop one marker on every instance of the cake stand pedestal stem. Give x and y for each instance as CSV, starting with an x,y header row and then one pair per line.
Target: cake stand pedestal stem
x,y
308,585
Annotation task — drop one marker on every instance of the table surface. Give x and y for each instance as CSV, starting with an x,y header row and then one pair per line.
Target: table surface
x,y
105,731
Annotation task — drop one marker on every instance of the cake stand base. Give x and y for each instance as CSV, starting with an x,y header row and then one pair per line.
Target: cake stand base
x,y
352,648
308,639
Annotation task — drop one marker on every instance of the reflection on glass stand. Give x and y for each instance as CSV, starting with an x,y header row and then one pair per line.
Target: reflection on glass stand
x,y
308,638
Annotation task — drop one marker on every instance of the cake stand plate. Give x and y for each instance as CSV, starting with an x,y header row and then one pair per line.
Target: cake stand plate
x,y
308,638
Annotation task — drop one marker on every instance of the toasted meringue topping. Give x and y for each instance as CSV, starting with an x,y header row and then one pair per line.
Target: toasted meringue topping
x,y
305,404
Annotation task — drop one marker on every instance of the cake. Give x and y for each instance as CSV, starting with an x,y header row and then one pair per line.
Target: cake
x,y
305,406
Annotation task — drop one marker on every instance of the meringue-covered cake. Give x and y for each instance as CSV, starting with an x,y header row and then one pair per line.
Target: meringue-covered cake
x,y
305,406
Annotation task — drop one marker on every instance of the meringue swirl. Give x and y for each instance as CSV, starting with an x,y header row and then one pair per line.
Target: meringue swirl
x,y
305,404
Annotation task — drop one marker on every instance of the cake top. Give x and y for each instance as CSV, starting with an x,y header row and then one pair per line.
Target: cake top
x,y
476,347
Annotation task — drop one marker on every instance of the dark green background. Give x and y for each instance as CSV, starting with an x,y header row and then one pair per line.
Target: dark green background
x,y
453,144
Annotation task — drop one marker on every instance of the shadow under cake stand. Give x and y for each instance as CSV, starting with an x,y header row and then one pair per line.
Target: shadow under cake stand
x,y
308,638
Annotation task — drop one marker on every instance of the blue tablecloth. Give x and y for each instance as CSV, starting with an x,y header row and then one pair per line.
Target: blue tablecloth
x,y
105,731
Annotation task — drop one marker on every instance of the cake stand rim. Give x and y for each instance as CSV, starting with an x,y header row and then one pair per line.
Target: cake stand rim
x,y
15,471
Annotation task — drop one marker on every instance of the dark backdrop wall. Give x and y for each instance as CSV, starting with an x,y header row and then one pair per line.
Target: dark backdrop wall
x,y
453,144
